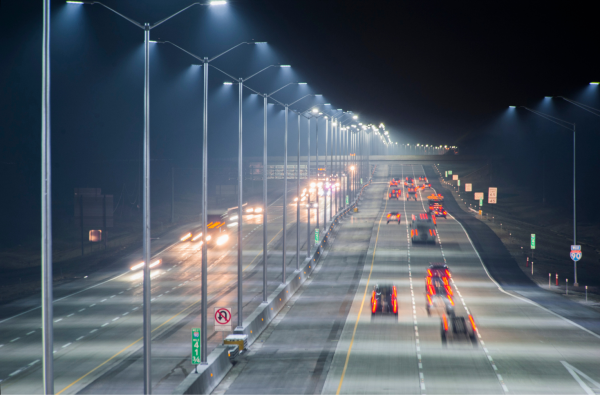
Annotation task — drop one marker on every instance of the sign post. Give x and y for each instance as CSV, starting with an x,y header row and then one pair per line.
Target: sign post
x,y
492,197
575,256
196,347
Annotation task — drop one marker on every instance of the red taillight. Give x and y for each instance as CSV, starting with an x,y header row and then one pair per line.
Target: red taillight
x,y
449,290
412,232
431,290
416,232
395,306
433,230
429,271
445,281
389,215
430,234
394,291
429,299
451,301
445,323
472,323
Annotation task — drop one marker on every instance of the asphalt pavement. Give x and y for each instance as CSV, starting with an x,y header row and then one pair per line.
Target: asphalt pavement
x,y
327,341
98,328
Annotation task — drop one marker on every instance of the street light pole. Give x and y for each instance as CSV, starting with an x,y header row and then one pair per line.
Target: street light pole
x,y
47,294
572,128
146,248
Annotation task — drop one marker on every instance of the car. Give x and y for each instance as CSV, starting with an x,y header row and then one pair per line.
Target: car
x,y
384,299
423,229
455,327
411,193
426,185
217,235
394,183
436,205
438,269
423,179
394,216
438,295
395,193
409,181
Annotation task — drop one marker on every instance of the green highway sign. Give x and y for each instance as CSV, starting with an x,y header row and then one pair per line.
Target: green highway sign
x,y
347,200
361,181
450,172
317,235
446,173
196,346
533,241
480,202
458,182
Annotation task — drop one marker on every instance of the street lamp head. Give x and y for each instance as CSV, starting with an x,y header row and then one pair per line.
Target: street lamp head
x,y
259,42
318,94
315,110
302,83
355,117
594,83
512,106
352,168
285,65
217,2
227,83
327,104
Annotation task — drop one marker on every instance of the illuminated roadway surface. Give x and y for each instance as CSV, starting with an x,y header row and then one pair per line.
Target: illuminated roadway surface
x,y
97,332
325,340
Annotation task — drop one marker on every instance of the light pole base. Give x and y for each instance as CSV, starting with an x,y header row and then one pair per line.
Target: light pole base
x,y
576,284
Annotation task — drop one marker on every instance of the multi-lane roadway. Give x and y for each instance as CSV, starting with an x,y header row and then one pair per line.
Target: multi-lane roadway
x,y
98,329
327,341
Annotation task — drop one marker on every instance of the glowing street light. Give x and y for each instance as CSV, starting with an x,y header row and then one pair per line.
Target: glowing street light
x,y
146,203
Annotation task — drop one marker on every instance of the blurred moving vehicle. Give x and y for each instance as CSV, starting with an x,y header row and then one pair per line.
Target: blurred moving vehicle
x,y
395,193
394,183
436,205
384,299
409,182
217,233
394,216
411,193
423,229
426,185
455,328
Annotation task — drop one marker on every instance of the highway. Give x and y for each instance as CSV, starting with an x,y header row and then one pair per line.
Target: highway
x,y
98,329
326,340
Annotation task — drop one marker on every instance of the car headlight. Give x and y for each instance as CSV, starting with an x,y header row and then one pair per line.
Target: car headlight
x,y
222,240
208,237
258,210
249,210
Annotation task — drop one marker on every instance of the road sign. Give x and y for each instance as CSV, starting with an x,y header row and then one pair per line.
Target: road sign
x,y
468,187
480,202
455,177
222,319
347,200
446,173
478,195
533,241
196,346
316,235
576,253
458,182
450,172
492,195
361,181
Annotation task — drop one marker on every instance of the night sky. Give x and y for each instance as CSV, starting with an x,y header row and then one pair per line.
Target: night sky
x,y
433,72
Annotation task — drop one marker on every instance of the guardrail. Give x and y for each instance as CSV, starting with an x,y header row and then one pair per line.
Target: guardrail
x,y
210,375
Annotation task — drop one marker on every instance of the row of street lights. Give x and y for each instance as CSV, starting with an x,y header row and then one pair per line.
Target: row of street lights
x,y
347,139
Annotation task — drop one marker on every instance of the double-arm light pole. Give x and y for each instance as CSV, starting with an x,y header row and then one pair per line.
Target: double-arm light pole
x,y
571,127
146,190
